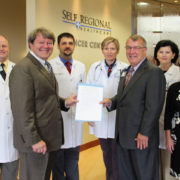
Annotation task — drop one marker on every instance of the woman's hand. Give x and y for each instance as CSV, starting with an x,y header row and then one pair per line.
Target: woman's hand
x,y
91,124
169,142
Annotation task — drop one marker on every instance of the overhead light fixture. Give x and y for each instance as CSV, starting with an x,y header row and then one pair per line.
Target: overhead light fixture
x,y
175,1
142,4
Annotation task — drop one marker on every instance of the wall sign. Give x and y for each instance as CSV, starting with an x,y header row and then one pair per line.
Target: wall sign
x,y
87,24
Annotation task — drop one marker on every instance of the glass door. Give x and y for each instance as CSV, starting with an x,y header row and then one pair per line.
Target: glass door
x,y
156,20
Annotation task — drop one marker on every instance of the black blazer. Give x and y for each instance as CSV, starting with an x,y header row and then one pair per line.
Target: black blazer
x,y
139,106
36,106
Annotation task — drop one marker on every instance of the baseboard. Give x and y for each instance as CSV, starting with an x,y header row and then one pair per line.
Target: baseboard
x,y
89,145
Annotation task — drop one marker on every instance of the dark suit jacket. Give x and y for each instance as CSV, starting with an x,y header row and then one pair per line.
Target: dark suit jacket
x,y
139,106
35,105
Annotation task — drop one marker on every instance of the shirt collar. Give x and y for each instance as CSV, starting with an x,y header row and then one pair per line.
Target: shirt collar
x,y
5,64
137,66
112,65
64,61
42,61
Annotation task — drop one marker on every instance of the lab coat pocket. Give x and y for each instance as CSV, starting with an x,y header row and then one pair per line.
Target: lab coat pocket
x,y
117,75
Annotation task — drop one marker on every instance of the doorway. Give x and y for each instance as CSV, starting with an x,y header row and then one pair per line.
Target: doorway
x,y
156,20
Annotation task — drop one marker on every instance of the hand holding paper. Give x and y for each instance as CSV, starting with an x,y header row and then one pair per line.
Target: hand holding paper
x,y
106,102
71,101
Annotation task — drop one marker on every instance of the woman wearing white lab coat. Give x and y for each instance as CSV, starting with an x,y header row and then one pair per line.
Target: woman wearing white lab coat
x,y
8,154
100,74
166,53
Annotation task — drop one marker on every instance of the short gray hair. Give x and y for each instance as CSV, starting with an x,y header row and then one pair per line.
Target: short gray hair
x,y
136,37
45,33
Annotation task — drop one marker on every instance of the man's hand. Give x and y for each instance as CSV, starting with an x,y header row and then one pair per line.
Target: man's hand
x,y
106,102
71,101
40,147
142,141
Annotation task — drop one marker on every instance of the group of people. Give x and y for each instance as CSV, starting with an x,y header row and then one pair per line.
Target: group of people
x,y
37,114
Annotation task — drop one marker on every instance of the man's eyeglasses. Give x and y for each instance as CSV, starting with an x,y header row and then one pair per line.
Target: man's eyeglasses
x,y
134,48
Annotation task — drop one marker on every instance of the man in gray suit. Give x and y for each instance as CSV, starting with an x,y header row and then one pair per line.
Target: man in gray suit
x,y
36,108
139,102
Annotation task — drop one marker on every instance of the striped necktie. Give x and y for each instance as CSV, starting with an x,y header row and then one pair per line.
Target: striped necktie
x,y
50,70
2,71
128,76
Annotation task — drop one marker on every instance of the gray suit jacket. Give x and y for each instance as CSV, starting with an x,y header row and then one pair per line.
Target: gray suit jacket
x,y
35,105
139,106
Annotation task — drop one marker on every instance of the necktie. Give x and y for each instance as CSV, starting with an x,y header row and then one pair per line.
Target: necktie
x,y
109,71
68,66
128,76
2,72
50,70
109,68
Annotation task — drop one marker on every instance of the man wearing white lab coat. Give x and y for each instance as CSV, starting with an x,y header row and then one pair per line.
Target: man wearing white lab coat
x,y
69,73
8,154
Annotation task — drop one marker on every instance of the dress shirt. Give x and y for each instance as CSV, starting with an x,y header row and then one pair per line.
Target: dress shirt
x,y
137,66
65,61
42,61
107,67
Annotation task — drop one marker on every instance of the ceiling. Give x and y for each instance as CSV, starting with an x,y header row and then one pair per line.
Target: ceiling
x,y
169,1
157,8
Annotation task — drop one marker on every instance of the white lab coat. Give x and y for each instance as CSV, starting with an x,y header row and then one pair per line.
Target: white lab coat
x,y
98,75
73,130
7,151
172,76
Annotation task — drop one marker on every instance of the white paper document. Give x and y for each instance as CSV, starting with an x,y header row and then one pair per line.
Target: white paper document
x,y
88,107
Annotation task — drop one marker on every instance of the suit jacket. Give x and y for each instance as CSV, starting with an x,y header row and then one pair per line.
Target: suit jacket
x,y
35,105
139,106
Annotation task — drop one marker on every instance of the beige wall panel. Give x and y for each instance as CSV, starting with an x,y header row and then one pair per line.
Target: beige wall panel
x,y
13,26
117,12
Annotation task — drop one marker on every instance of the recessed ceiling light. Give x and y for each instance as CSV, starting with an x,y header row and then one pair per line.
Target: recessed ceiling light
x,y
142,3
175,1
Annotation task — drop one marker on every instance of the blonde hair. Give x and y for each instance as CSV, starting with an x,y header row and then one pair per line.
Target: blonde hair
x,y
108,40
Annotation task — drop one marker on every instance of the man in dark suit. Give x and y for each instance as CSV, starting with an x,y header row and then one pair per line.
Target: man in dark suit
x,y
139,102
36,108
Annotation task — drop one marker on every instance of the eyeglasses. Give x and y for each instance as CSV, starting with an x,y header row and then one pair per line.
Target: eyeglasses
x,y
3,46
136,48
